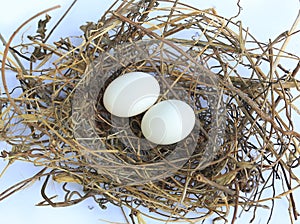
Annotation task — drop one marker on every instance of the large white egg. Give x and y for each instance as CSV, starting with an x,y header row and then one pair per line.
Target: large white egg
x,y
168,122
131,94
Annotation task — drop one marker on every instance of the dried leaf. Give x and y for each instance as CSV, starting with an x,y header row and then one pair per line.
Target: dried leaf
x,y
64,177
29,117
225,178
38,54
42,26
88,28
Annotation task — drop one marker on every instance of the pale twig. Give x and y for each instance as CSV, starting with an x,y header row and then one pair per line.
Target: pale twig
x,y
286,41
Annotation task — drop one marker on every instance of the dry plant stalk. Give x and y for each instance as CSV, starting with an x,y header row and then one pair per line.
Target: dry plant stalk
x,y
260,144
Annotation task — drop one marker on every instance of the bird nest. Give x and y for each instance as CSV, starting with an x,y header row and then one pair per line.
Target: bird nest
x,y
243,101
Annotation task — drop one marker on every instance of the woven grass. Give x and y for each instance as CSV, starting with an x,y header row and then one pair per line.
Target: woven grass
x,y
243,98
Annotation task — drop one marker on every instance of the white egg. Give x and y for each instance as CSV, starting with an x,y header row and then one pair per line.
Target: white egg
x,y
168,122
131,94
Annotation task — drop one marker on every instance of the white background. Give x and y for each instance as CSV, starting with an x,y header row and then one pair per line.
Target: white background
x,y
266,19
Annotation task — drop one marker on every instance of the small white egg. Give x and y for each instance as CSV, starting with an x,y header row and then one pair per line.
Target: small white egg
x,y
168,122
131,94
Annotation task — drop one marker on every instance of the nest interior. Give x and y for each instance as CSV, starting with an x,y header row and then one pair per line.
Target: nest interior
x,y
242,97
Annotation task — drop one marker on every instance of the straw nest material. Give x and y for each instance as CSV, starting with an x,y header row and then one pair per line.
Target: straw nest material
x,y
242,97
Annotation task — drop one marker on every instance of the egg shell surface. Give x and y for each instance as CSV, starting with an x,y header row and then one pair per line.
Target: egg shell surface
x,y
168,122
131,94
